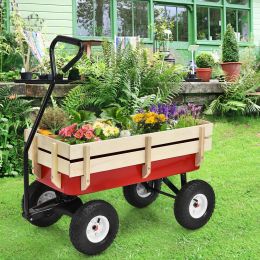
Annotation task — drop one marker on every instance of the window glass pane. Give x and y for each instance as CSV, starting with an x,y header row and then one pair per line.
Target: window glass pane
x,y
208,23
176,15
215,24
124,18
243,25
238,2
202,23
239,19
182,19
93,18
141,19
132,18
231,18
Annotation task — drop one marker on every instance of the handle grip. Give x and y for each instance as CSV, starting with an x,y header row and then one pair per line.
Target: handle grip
x,y
68,40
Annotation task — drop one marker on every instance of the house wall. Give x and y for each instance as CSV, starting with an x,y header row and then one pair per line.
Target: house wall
x,y
256,22
57,15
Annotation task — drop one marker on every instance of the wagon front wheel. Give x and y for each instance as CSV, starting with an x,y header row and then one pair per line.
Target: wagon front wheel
x,y
194,204
139,195
39,194
94,227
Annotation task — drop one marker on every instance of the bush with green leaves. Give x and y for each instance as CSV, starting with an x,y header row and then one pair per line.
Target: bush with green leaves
x,y
128,80
54,119
236,99
205,60
230,49
14,118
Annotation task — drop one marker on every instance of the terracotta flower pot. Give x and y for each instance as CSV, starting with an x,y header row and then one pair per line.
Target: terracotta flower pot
x,y
204,74
231,70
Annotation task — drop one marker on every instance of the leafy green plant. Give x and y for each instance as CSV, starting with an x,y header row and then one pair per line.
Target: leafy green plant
x,y
236,98
186,121
9,76
128,80
14,114
119,116
204,60
54,119
82,116
230,50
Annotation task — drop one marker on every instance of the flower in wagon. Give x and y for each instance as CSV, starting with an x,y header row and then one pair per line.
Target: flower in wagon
x,y
68,131
89,135
111,131
87,127
79,134
138,118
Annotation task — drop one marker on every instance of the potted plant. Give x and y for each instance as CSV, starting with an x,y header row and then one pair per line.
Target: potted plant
x,y
230,55
204,62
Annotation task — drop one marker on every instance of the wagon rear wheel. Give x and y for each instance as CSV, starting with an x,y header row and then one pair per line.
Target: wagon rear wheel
x,y
39,194
94,227
194,204
139,195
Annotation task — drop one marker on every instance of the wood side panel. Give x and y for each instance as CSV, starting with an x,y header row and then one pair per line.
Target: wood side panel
x,y
135,142
73,152
135,158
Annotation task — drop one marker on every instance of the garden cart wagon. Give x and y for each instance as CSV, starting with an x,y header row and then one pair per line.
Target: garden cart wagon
x,y
139,164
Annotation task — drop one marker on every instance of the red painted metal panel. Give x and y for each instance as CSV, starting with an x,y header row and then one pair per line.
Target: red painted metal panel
x,y
121,177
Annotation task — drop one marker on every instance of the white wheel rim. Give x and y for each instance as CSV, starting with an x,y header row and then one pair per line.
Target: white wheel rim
x,y
97,229
46,196
198,206
142,191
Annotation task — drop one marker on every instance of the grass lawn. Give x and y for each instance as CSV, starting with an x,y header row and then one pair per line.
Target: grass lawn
x,y
232,168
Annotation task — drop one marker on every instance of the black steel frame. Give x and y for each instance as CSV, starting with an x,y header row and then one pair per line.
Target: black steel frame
x,y
170,185
62,39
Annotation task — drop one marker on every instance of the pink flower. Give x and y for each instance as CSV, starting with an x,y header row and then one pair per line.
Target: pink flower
x,y
97,139
79,134
87,127
68,131
89,135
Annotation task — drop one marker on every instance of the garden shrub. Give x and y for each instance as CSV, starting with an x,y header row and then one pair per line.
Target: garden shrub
x,y
204,60
235,100
14,118
125,78
230,50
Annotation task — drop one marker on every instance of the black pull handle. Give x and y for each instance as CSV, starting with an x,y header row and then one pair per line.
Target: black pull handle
x,y
68,40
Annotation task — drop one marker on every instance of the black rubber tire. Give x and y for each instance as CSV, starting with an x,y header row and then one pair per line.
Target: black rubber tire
x,y
36,189
132,197
80,221
183,200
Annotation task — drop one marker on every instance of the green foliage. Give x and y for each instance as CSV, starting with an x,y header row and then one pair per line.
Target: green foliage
x,y
9,76
186,121
54,119
230,50
14,113
128,80
118,115
82,116
235,99
11,59
204,60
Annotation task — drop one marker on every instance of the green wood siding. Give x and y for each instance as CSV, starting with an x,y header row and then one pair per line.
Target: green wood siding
x,y
57,15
